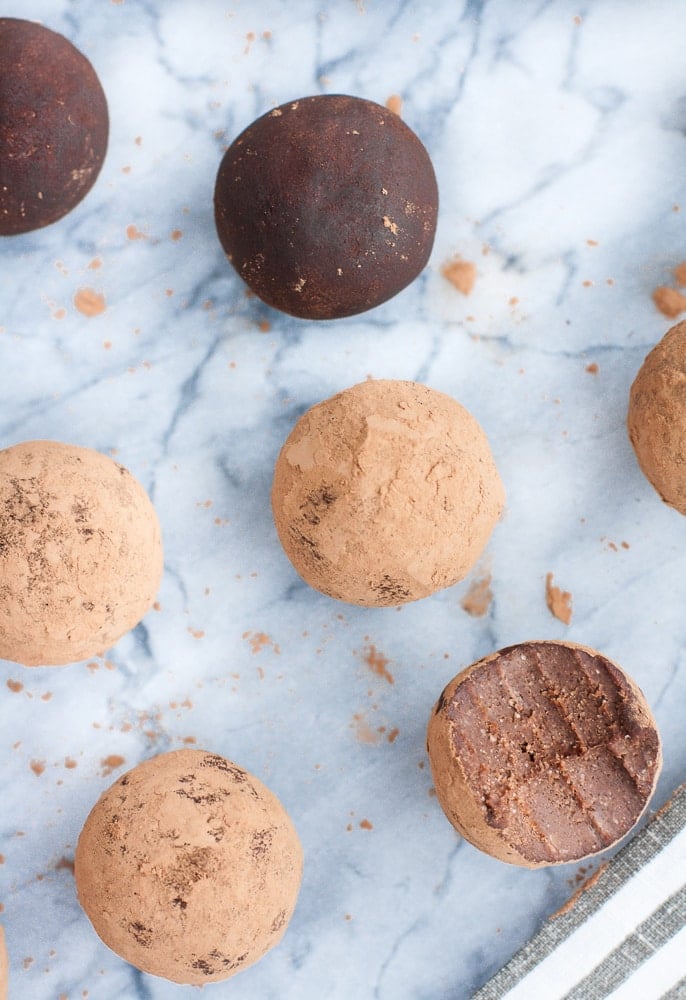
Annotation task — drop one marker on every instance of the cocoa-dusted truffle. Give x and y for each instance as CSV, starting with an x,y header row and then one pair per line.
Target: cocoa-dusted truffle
x,y
385,493
4,966
189,867
543,753
53,126
80,553
657,417
326,206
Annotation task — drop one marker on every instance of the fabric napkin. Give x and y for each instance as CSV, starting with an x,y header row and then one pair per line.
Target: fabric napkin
x,y
623,936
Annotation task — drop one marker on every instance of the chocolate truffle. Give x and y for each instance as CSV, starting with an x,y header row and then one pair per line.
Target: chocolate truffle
x,y
657,417
4,966
326,206
80,553
385,493
189,867
53,126
543,753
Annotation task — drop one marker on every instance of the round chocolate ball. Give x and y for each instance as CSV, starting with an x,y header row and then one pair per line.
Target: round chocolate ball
x,y
385,493
189,867
657,417
80,553
327,206
543,753
53,126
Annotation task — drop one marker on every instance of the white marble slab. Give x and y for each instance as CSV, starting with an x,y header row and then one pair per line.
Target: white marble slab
x,y
558,135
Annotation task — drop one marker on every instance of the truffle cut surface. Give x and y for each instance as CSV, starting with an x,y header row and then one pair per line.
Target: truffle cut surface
x,y
543,753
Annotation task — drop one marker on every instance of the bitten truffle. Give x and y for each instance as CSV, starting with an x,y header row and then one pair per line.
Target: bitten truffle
x,y
327,206
189,867
385,493
543,753
657,417
54,126
80,553
4,966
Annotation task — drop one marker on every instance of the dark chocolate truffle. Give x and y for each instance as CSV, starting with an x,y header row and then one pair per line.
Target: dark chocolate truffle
x,y
53,126
326,206
543,753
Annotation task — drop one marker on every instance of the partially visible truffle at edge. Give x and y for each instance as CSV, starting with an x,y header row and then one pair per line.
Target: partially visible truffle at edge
x,y
80,553
657,417
326,206
54,126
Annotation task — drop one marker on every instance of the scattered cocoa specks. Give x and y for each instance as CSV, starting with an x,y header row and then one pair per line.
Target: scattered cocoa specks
x,y
592,368
133,233
460,273
38,767
477,600
363,731
89,302
66,863
559,601
366,825
680,274
111,763
259,640
15,686
377,662
395,104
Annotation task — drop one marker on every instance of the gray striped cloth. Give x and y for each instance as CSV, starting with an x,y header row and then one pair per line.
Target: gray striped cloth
x,y
624,937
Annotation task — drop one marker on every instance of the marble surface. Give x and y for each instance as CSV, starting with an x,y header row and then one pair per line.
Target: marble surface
x,y
557,131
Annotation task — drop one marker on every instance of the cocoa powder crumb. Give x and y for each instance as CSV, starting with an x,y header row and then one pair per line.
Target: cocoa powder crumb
x,y
89,302
395,104
477,600
559,601
669,301
460,273
111,763
377,662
